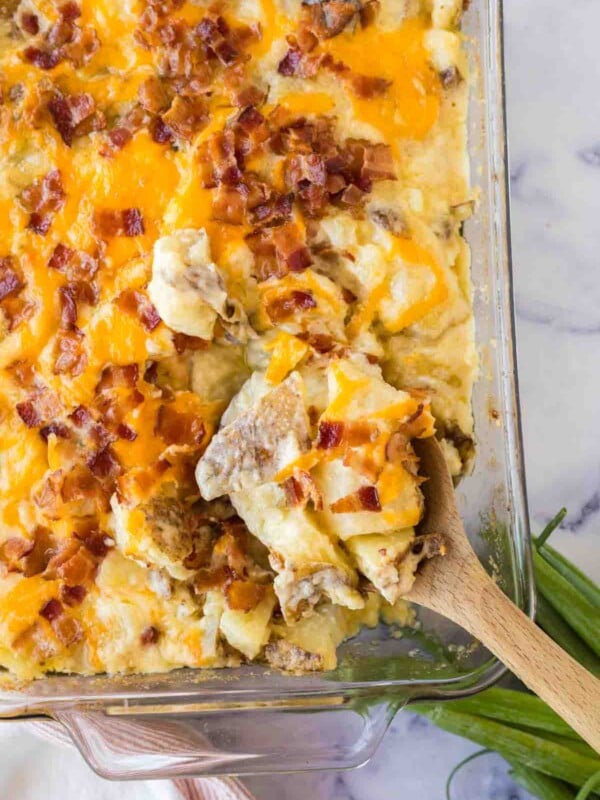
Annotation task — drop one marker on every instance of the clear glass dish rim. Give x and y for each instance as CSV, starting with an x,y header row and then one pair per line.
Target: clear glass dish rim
x,y
16,703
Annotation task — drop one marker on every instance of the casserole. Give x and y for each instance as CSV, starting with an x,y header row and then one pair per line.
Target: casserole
x,y
243,721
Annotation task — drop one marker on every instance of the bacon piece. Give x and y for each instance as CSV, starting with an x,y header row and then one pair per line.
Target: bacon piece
x,y
64,40
291,62
369,498
118,222
300,488
150,635
291,249
284,306
222,154
328,18
85,492
330,434
41,407
160,132
104,463
368,13
68,306
186,116
368,86
97,541
183,342
51,610
72,595
274,212
75,115
77,265
42,59
377,162
229,204
76,568
134,302
42,199
58,429
118,376
179,427
125,432
152,95
365,499
70,357
29,23
11,281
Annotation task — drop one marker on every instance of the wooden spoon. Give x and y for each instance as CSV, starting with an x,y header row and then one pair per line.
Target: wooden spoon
x,y
458,587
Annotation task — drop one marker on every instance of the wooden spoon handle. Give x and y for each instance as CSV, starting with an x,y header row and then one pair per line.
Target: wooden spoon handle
x,y
539,662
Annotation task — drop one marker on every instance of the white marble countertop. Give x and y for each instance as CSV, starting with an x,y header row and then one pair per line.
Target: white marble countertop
x,y
553,114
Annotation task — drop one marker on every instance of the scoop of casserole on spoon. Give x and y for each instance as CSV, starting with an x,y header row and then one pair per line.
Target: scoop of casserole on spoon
x,y
458,587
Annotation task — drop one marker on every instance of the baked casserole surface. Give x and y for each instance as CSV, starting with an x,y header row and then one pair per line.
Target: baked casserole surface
x,y
233,288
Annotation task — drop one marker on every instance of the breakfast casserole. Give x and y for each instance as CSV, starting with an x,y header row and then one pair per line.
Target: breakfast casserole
x,y
233,289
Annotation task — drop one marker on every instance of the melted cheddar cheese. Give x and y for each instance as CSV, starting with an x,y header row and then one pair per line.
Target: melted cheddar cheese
x,y
302,168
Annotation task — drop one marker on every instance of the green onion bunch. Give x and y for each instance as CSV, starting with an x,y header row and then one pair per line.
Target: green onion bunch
x,y
546,756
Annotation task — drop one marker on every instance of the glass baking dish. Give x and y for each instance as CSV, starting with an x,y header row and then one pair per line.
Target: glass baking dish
x,y
250,719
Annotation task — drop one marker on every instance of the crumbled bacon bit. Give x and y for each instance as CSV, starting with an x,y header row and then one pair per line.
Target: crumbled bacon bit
x,y
51,610
72,595
160,132
68,306
98,542
186,116
368,13
183,342
28,413
42,406
75,566
125,432
119,137
152,95
118,376
290,63
365,499
138,304
283,307
64,40
369,86
42,199
75,115
229,204
300,488
67,630
328,18
57,429
29,23
330,434
11,281
150,635
179,427
23,372
369,498
70,355
104,463
118,222
291,249
43,59
81,416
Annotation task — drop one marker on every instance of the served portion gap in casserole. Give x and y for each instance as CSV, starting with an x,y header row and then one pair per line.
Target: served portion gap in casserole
x,y
233,288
